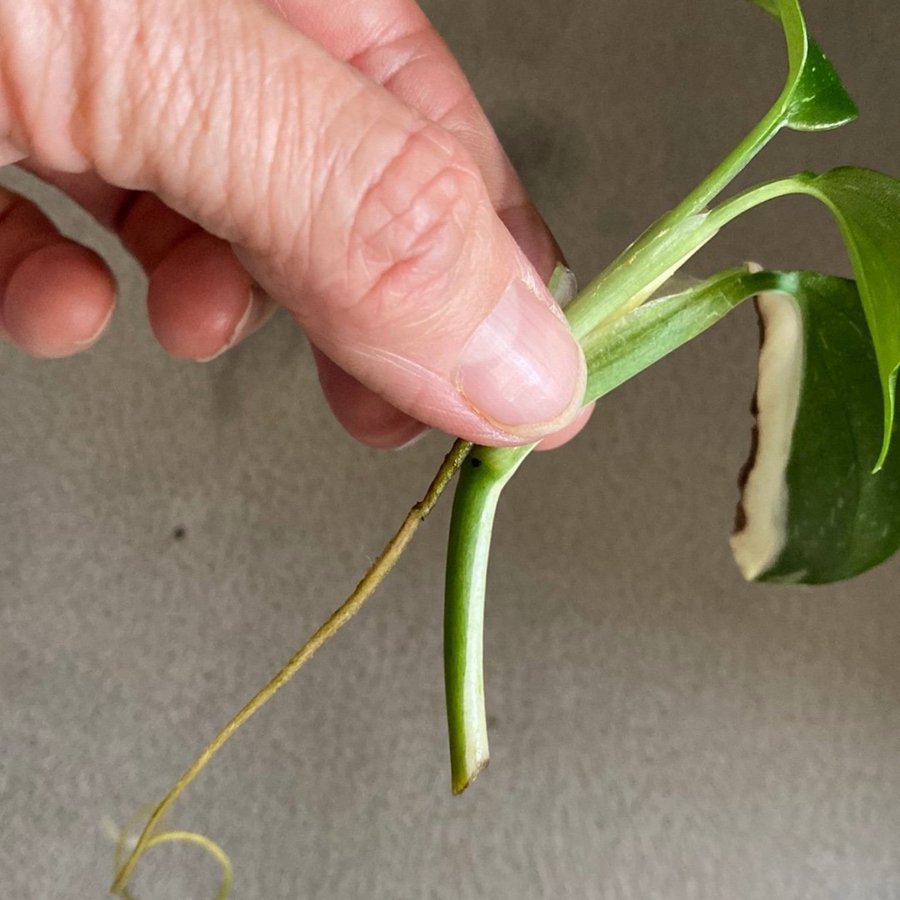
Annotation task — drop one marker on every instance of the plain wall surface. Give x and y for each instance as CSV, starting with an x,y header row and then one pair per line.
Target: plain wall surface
x,y
660,729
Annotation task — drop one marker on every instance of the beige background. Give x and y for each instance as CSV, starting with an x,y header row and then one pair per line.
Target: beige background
x,y
660,729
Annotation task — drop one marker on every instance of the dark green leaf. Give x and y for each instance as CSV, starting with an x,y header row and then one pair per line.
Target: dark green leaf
x,y
813,98
866,205
812,511
819,100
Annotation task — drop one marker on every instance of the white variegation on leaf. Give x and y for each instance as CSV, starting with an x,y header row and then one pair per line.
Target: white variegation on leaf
x,y
812,508
764,505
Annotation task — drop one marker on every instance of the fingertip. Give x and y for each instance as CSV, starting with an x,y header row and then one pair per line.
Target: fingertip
x,y
531,233
522,371
363,414
564,435
260,309
58,300
201,301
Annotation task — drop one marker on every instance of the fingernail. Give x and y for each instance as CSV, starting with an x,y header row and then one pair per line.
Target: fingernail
x,y
413,440
98,331
259,309
522,369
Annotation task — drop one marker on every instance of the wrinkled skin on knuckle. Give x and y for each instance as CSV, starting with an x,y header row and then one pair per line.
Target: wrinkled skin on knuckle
x,y
66,66
144,112
41,43
410,242
138,91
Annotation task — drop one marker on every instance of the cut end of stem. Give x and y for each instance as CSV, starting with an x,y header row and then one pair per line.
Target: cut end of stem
x,y
461,781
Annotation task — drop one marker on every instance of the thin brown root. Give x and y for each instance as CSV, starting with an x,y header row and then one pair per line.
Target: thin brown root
x,y
366,587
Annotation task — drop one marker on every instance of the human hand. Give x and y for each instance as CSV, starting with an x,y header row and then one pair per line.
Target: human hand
x,y
325,153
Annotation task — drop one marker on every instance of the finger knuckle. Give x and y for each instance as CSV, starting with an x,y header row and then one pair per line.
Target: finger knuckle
x,y
37,76
413,224
145,90
64,74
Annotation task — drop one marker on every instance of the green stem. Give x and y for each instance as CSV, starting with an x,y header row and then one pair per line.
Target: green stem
x,y
617,346
643,337
614,353
654,258
481,480
761,193
643,266
724,173
612,292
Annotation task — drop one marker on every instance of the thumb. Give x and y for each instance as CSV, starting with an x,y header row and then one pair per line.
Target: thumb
x,y
371,224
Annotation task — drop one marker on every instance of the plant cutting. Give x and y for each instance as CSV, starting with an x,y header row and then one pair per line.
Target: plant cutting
x,y
819,488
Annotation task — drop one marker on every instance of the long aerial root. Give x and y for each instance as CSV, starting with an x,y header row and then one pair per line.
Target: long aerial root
x,y
366,587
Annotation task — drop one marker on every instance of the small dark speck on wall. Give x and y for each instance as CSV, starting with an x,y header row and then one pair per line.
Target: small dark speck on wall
x,y
179,532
